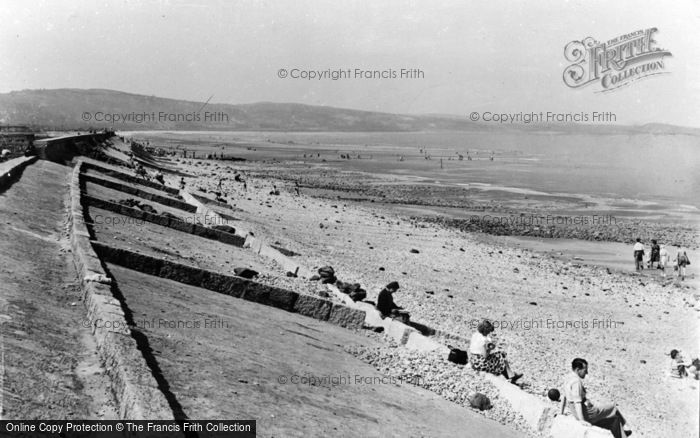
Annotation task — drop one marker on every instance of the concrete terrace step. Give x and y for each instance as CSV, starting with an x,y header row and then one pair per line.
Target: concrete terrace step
x,y
237,287
165,221
256,244
119,174
140,193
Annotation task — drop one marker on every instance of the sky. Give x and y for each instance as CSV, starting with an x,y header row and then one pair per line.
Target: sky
x,y
473,56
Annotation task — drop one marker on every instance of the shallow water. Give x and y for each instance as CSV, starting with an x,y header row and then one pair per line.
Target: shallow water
x,y
661,169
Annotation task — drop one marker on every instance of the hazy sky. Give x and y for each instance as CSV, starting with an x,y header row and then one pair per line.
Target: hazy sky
x,y
500,56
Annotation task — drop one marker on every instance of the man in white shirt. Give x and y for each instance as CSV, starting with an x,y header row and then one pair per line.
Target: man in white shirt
x,y
605,416
638,255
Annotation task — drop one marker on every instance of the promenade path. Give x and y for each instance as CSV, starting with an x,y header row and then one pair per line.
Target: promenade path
x,y
48,365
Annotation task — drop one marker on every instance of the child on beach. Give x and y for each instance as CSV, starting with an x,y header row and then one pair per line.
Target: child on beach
x,y
678,368
682,261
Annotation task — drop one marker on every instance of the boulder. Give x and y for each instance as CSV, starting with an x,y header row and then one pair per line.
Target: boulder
x,y
147,208
326,271
245,272
353,290
330,280
358,295
479,401
327,274
129,202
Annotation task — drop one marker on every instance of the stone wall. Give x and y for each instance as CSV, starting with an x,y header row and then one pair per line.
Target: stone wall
x,y
170,202
133,384
166,221
237,287
62,149
132,179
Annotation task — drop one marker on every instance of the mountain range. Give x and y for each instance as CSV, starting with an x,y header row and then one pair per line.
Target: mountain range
x,y
81,109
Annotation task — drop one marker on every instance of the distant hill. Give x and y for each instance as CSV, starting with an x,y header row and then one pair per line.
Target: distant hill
x,y
70,109
64,108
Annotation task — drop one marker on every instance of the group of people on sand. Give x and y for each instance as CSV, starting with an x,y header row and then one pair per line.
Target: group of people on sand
x,y
608,416
659,255
484,356
680,368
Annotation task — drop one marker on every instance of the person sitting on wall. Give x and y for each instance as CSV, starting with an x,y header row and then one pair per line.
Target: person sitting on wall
x,y
386,305
483,357
604,416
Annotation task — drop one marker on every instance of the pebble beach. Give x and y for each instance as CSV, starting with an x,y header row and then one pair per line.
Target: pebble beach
x,y
546,311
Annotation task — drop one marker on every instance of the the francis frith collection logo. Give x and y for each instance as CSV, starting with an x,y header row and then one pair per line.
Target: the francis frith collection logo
x,y
615,63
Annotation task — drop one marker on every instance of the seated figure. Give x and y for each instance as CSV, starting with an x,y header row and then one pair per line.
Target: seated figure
x,y
386,305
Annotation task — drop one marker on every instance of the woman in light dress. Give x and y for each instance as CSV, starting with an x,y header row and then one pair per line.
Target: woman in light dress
x,y
664,258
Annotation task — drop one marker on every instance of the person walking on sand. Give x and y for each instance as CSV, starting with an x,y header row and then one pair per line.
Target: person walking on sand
x,y
604,416
638,250
655,256
664,258
182,183
682,261
483,357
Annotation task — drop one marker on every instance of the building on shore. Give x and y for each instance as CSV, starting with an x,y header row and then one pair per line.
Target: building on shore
x,y
16,138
